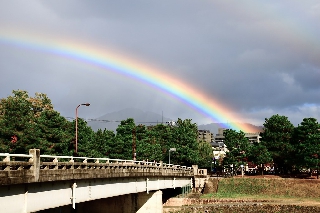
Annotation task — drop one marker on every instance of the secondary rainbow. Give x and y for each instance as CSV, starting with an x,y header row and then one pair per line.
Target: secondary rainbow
x,y
128,67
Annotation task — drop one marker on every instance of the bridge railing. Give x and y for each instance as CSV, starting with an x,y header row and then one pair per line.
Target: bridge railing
x,y
17,168
7,164
12,158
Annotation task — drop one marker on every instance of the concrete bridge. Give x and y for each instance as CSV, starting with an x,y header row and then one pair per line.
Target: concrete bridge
x,y
34,182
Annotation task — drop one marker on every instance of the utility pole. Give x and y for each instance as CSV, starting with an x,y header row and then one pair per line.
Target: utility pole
x,y
134,157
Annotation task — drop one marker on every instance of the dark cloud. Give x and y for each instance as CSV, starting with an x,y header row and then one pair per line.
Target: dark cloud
x,y
259,58
308,78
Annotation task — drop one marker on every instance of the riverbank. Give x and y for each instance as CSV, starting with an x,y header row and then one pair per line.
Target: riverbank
x,y
252,194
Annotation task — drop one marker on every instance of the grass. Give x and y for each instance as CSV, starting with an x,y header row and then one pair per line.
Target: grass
x,y
245,195
263,188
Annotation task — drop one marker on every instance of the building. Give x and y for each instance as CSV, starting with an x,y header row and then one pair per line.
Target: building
x,y
205,135
219,150
252,137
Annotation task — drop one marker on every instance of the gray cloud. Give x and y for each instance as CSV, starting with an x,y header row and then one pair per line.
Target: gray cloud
x,y
259,58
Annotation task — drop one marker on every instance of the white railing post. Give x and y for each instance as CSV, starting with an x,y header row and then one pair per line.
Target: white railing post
x,y
6,159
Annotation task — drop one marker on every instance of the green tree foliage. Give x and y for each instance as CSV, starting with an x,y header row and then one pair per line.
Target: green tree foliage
x,y
184,139
205,154
53,133
148,146
86,140
5,141
122,146
100,146
17,120
153,143
306,142
238,146
163,135
20,116
276,137
31,122
259,154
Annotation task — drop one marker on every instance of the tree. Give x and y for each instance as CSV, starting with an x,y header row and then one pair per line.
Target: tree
x,y
259,154
205,154
86,139
238,147
53,132
19,115
148,145
102,143
122,146
184,139
306,142
163,134
276,137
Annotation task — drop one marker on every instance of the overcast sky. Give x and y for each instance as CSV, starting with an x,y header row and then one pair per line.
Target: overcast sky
x,y
259,58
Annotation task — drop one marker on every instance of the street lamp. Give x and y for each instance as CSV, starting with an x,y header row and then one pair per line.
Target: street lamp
x,y
86,104
171,150
242,170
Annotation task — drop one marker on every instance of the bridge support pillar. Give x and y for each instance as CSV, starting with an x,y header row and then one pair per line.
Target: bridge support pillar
x,y
150,202
142,202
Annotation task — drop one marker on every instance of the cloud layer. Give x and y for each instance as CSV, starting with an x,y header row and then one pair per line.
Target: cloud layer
x,y
258,58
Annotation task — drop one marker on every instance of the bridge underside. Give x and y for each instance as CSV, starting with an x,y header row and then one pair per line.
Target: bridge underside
x,y
141,202
32,197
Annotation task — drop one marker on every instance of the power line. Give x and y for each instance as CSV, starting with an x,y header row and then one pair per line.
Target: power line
x,y
109,121
101,120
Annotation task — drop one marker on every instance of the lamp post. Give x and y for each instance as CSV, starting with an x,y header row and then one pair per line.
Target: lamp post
x,y
214,161
86,104
134,154
241,170
171,150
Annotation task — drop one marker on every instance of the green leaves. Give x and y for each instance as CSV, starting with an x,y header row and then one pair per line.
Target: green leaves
x,y
19,116
123,141
306,143
277,137
53,133
238,146
184,139
259,154
292,147
205,154
31,122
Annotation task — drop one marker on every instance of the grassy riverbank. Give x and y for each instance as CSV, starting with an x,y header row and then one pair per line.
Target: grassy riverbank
x,y
258,194
263,188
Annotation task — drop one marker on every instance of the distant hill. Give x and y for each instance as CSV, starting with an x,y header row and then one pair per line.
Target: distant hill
x,y
111,121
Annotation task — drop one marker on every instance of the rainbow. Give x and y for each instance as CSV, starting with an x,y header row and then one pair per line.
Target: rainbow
x,y
128,67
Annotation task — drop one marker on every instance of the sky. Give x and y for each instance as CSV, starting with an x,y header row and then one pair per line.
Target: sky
x,y
205,60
